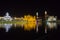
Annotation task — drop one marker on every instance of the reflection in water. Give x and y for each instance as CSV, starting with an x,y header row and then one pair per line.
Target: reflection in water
x,y
29,26
51,24
27,22
7,27
45,29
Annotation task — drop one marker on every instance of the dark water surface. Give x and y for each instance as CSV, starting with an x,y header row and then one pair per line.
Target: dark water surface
x,y
54,34
20,34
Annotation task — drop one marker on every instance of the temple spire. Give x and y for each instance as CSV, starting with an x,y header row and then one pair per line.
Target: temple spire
x,y
7,14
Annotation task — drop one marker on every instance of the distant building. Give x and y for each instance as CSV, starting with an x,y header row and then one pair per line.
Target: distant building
x,y
7,17
46,15
51,18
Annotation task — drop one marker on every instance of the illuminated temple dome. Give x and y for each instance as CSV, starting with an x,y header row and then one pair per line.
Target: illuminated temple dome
x,y
7,17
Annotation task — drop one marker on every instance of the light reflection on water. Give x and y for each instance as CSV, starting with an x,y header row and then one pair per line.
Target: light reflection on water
x,y
7,27
52,25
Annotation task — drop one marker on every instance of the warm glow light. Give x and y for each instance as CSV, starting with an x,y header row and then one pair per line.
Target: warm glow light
x,y
28,22
31,22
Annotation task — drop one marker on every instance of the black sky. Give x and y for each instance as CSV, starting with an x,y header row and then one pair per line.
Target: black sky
x,y
22,7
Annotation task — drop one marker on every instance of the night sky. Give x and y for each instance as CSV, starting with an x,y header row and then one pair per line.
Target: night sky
x,y
25,7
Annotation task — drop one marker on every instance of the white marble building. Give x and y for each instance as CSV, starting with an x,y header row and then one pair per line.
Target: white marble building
x,y
7,17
